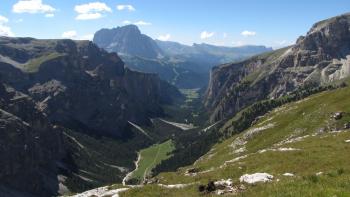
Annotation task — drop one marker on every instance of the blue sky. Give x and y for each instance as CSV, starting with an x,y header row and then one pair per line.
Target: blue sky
x,y
222,22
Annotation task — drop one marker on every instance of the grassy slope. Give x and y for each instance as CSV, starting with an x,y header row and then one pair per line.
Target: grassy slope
x,y
326,152
34,64
152,156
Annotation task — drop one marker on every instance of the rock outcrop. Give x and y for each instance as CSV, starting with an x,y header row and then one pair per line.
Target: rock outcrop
x,y
320,57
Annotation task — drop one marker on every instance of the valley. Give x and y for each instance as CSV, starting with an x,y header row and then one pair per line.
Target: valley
x,y
290,141
133,113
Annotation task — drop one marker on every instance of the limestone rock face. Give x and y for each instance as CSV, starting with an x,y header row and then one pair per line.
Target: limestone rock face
x,y
29,146
320,57
50,86
75,83
127,40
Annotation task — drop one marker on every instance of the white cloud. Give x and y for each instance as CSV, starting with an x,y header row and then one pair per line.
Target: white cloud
x,y
224,35
4,29
74,35
90,16
126,22
205,34
164,37
141,22
126,7
19,20
87,37
3,19
69,34
49,15
32,7
91,11
248,33
238,43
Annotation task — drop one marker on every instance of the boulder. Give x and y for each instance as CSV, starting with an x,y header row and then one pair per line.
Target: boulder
x,y
255,178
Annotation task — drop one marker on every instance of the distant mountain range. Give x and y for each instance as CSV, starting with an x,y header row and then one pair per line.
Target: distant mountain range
x,y
173,61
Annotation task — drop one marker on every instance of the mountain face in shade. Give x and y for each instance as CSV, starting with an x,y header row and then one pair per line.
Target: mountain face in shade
x,y
320,57
127,40
49,88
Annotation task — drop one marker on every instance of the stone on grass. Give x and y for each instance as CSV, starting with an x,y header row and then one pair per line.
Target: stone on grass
x,y
255,178
288,174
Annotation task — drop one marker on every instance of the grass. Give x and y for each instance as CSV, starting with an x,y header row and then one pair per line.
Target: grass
x,y
190,94
34,64
325,152
187,110
151,157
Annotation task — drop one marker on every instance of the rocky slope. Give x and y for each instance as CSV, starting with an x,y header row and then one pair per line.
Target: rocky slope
x,y
320,57
30,147
88,95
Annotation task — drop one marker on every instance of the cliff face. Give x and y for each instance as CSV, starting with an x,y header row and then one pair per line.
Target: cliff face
x,y
49,86
127,40
320,57
76,83
30,146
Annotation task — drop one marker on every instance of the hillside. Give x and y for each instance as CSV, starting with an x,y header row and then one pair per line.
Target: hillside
x,y
301,145
316,59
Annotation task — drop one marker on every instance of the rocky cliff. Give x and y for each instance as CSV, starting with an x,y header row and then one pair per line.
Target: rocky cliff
x,y
30,146
320,57
76,83
50,87
127,40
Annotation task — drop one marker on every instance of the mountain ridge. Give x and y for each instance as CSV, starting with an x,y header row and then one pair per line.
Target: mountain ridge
x,y
318,58
171,60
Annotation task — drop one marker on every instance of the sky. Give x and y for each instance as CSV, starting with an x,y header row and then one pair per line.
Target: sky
x,y
274,23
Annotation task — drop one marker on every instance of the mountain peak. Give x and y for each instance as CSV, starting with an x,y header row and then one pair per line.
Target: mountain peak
x,y
127,40
331,36
130,28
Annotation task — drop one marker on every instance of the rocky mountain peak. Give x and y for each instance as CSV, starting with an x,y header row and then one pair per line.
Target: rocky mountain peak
x,y
329,36
127,40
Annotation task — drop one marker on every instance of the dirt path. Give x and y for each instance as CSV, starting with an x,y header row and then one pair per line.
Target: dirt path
x,y
125,179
